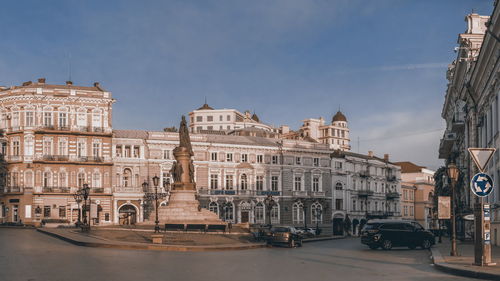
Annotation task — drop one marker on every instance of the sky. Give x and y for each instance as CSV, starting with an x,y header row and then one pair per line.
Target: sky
x,y
381,62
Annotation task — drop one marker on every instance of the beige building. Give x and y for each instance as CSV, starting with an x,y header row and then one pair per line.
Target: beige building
x,y
408,201
56,138
421,180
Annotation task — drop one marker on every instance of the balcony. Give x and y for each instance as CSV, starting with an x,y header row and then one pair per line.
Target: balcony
x,y
129,189
299,193
56,190
391,178
365,193
318,194
446,144
245,192
391,195
268,192
54,158
458,123
12,189
90,159
97,190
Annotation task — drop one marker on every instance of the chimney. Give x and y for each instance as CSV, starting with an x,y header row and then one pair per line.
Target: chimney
x,y
96,84
41,80
386,157
370,153
69,83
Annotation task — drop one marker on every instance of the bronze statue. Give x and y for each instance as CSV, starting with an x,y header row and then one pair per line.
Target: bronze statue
x,y
176,171
184,136
191,170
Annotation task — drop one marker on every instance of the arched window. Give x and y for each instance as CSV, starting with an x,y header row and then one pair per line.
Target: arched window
x,y
213,207
259,213
47,116
316,212
244,182
62,121
96,180
338,186
81,179
81,119
229,212
298,212
46,179
29,117
275,214
15,119
127,177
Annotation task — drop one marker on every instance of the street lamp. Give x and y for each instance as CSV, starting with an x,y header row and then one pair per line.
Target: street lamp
x,y
85,192
78,198
154,196
318,218
269,201
453,175
305,219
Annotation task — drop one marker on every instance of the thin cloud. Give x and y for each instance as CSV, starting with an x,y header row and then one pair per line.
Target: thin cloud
x,y
416,66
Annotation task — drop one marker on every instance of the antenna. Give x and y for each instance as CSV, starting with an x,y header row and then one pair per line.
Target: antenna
x,y
205,99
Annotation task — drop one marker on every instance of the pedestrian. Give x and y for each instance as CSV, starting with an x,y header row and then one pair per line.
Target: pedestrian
x,y
229,226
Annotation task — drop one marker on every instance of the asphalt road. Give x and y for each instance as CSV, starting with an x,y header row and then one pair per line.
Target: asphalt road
x,y
29,255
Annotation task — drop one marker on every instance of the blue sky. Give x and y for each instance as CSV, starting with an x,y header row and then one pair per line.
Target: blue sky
x,y
383,62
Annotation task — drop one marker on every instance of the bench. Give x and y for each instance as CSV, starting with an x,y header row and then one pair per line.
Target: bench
x,y
200,227
216,227
174,227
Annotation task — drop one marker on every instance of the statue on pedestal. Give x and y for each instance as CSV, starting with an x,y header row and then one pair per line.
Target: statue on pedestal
x,y
176,171
184,140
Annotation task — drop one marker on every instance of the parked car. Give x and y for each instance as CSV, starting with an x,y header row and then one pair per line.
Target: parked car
x,y
284,235
396,233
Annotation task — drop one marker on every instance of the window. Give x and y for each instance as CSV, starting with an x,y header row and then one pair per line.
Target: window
x,y
29,120
199,118
214,181
259,183
199,128
81,148
354,205
229,157
297,184
62,179
47,119
316,162
46,179
221,118
81,179
63,146
63,119
137,151
229,212
316,213
81,119
298,160
213,207
96,180
274,183
338,204
166,154
338,165
15,119
47,146
244,158
213,156
127,178
229,181
260,158
96,118
165,180
259,213
15,147
46,211
96,149
411,210
274,159
298,213
405,208
210,118
315,186
210,128
275,219
62,212
228,117
338,186
244,182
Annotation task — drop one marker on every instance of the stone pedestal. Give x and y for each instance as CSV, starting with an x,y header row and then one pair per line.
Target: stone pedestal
x,y
183,208
157,238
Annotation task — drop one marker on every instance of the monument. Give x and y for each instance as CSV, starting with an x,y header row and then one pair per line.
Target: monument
x,y
183,207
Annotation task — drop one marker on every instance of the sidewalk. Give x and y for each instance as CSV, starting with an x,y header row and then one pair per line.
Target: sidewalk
x,y
75,237
463,265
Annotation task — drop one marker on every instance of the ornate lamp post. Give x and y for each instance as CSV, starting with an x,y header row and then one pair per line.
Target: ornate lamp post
x,y
78,198
154,196
269,201
453,175
85,192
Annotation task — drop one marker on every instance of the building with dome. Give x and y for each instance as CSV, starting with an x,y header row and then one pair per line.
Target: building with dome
x,y
335,134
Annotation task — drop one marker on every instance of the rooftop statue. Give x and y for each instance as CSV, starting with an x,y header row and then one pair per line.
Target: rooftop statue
x,y
184,136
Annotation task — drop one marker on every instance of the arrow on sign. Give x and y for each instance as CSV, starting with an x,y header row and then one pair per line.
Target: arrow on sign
x,y
481,156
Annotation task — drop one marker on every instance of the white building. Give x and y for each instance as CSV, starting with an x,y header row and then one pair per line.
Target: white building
x,y
335,134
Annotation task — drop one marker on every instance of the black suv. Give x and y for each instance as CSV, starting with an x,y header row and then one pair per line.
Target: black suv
x,y
394,233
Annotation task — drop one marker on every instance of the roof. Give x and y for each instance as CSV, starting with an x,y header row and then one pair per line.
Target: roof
x,y
409,167
255,118
205,106
339,116
130,134
69,85
363,156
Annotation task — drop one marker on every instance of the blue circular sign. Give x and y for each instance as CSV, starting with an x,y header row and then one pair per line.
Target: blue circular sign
x,y
481,184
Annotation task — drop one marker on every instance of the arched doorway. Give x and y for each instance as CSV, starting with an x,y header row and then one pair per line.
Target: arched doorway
x,y
128,215
338,224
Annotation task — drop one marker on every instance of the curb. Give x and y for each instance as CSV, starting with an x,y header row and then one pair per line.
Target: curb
x,y
321,239
440,264
152,246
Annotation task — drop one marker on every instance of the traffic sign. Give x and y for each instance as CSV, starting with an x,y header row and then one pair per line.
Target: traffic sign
x,y
481,184
481,156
